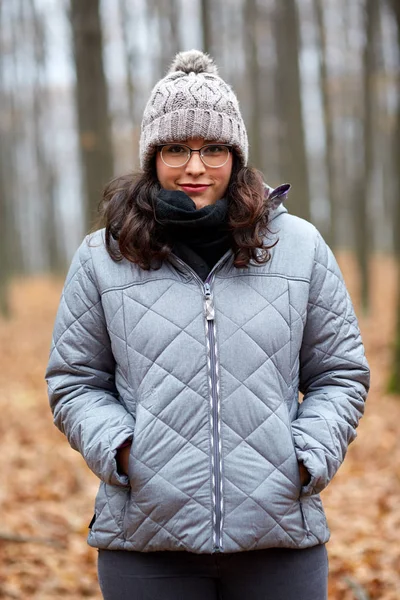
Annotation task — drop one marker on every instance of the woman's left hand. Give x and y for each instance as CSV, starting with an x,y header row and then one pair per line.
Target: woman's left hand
x,y
305,476
123,459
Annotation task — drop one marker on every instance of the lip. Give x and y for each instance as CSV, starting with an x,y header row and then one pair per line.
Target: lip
x,y
189,187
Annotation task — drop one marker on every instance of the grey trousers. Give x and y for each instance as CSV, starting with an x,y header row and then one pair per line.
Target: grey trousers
x,y
273,574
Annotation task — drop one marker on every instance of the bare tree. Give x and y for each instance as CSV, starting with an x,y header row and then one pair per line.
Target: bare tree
x,y
166,15
131,58
4,263
206,25
362,227
129,55
46,174
250,20
394,384
293,147
92,102
328,122
10,131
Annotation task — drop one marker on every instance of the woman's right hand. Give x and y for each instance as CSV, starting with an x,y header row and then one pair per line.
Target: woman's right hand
x,y
305,476
123,459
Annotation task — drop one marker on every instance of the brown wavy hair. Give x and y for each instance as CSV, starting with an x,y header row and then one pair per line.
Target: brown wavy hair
x,y
132,231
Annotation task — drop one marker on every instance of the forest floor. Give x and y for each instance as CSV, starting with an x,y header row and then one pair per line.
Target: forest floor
x,y
47,492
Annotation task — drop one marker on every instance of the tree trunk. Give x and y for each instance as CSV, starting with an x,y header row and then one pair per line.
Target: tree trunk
x,y
394,383
361,220
173,18
328,123
129,56
5,147
11,139
92,103
167,26
206,24
4,263
293,147
45,167
253,72
394,380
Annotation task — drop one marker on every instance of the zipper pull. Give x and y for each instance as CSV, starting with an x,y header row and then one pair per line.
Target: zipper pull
x,y
209,303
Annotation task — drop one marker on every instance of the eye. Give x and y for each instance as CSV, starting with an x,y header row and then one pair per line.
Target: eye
x,y
175,149
214,149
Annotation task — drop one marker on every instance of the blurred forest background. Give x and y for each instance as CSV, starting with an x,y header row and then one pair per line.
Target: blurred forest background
x,y
319,87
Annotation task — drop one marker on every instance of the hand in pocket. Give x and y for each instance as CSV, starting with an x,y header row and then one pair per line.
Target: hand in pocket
x,y
122,458
305,476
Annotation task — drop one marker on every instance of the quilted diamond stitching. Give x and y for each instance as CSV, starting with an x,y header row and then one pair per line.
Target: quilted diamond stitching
x,y
189,497
263,509
150,309
187,441
74,320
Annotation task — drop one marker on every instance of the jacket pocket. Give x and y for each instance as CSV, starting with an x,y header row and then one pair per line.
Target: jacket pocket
x,y
303,516
141,435
130,463
295,462
314,518
92,522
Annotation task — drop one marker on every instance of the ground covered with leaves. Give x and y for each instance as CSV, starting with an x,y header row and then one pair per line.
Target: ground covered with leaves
x,y
47,492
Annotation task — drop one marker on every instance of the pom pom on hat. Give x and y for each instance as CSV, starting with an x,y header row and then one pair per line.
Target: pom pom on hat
x,y
193,61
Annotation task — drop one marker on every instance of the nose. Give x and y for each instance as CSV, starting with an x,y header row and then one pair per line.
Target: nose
x,y
195,165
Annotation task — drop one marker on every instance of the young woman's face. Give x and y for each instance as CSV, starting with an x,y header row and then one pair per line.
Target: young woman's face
x,y
204,185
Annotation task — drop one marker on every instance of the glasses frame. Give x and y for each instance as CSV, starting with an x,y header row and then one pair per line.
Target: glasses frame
x,y
190,152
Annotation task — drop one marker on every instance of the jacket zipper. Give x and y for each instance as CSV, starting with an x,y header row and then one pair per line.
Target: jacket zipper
x,y
215,420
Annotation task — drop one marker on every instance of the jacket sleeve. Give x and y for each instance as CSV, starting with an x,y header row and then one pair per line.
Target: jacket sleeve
x,y
80,374
334,374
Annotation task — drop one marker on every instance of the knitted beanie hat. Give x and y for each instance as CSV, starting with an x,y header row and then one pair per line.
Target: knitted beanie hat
x,y
192,101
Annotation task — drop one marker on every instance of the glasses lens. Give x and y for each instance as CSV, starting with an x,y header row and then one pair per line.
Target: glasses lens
x,y
214,155
174,155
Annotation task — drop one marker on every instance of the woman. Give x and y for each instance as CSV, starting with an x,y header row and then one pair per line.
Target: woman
x,y
185,331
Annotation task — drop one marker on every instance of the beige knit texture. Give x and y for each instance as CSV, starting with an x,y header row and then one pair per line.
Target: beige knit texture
x,y
192,101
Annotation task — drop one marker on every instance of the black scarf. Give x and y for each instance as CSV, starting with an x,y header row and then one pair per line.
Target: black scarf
x,y
200,237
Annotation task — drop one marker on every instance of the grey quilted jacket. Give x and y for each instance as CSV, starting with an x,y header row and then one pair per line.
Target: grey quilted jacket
x,y
204,378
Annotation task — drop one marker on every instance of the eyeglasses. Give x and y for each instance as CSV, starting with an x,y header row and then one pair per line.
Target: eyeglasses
x,y
212,155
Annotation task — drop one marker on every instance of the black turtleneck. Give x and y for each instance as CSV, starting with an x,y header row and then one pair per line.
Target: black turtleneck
x,y
200,237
